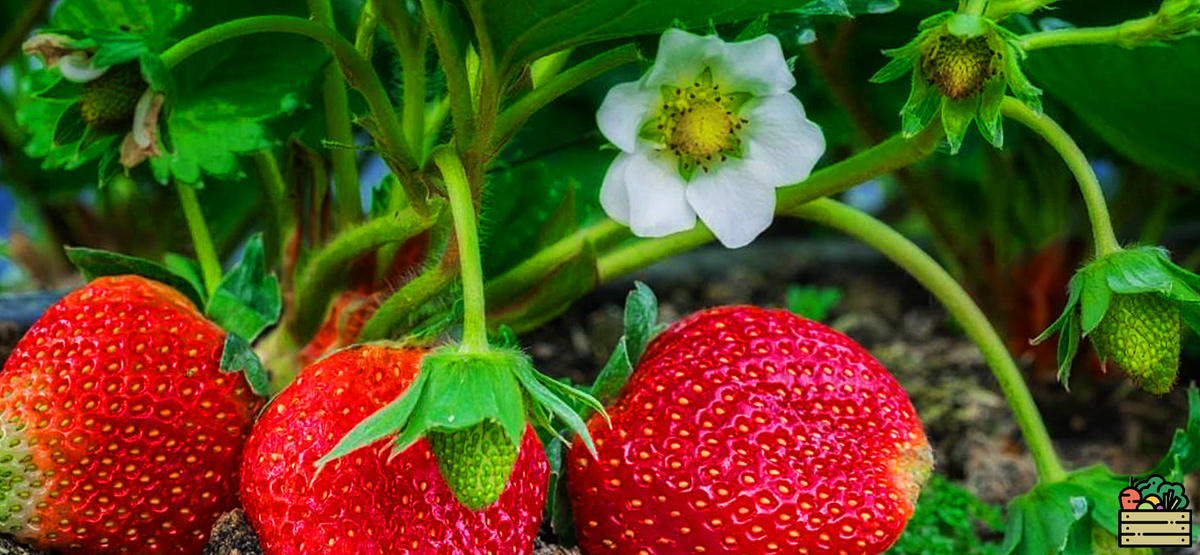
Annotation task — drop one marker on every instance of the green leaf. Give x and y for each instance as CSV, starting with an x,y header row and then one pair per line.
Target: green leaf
x,y
1040,521
1093,302
185,268
613,376
1138,100
641,318
381,424
813,303
117,47
239,356
153,19
1184,453
97,263
558,503
248,299
227,95
525,31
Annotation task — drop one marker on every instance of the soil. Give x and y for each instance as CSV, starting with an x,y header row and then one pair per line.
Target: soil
x,y
1103,419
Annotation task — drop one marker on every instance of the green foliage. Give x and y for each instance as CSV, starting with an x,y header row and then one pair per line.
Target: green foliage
x,y
641,324
239,356
947,521
248,299
1059,517
524,31
813,303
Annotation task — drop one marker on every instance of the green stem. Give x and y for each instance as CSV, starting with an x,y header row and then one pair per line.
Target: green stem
x,y
1102,230
210,265
890,155
1000,9
315,287
926,270
405,301
341,153
462,206
520,279
410,40
453,63
1122,34
364,32
357,69
511,120
279,206
974,7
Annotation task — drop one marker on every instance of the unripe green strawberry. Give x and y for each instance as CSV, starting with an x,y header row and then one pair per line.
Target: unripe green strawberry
x,y
959,66
109,101
476,462
1141,334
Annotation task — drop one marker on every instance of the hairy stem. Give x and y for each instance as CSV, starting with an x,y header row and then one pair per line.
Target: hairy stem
x,y
930,274
1103,236
888,156
357,70
411,43
462,206
341,153
315,287
210,265
404,302
453,62
511,120
1135,32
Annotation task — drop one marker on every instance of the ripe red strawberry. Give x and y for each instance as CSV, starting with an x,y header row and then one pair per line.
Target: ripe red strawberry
x,y
746,430
120,432
370,502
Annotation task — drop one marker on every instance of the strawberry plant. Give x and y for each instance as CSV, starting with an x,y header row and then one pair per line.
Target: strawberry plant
x,y
295,256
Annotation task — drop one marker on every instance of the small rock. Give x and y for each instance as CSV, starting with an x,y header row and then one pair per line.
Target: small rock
x,y
232,535
542,548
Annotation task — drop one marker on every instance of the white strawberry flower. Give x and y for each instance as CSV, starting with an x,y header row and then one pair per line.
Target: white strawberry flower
x,y
710,131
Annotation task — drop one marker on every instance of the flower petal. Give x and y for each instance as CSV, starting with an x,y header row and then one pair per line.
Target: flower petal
x,y
614,196
732,203
756,67
682,57
658,204
783,145
77,67
142,142
624,110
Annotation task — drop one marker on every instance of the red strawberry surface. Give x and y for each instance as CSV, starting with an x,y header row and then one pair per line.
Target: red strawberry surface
x,y
120,434
369,502
751,431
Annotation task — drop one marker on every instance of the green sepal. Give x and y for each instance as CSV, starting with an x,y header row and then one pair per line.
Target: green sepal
x,y
70,125
1051,518
990,123
61,90
381,424
108,167
239,356
95,263
641,324
956,119
923,104
116,47
900,65
248,299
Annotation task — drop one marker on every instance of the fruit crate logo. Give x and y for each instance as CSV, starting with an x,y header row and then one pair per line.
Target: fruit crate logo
x,y
1154,513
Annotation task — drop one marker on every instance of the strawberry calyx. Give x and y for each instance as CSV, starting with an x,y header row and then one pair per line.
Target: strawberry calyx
x,y
1133,305
474,407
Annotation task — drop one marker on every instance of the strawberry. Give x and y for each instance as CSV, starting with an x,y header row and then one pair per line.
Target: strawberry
x,y
746,430
120,432
372,500
1141,334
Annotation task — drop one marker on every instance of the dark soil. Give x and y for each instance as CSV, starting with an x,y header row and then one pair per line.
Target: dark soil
x,y
975,438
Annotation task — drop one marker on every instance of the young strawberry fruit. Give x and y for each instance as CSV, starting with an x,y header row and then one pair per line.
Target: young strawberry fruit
x,y
1142,334
746,430
120,434
373,500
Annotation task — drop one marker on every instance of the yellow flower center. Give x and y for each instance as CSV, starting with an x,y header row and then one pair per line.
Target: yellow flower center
x,y
699,124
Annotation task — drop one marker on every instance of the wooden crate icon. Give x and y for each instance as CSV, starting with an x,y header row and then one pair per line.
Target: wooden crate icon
x,y
1155,529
